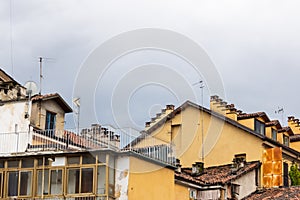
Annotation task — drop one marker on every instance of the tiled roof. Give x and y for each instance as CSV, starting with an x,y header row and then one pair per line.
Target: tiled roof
x,y
214,114
286,129
6,79
252,115
45,96
295,138
216,175
291,193
54,96
274,123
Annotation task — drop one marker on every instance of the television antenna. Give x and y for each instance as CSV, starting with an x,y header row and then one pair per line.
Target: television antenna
x,y
202,120
41,72
280,111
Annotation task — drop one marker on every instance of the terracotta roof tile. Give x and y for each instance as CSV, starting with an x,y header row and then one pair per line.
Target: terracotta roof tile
x,y
295,138
275,193
45,96
53,96
216,175
253,115
286,129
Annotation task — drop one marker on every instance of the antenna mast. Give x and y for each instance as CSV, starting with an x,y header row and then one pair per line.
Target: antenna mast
x,y
280,110
41,75
202,118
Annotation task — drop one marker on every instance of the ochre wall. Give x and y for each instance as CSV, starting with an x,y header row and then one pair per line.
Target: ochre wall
x,y
247,122
181,192
219,138
49,105
148,181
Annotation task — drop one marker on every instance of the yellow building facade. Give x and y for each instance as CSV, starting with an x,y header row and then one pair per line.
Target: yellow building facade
x,y
215,135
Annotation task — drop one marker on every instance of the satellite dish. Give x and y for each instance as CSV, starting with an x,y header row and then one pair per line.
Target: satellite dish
x,y
31,88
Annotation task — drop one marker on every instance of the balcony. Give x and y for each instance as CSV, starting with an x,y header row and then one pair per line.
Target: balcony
x,y
95,138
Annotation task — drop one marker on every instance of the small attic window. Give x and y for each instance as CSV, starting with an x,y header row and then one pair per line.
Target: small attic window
x,y
286,140
274,134
259,127
50,120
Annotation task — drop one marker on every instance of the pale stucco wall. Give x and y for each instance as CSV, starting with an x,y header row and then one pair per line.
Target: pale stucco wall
x,y
14,127
247,184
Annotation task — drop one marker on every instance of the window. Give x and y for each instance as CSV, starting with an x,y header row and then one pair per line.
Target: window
x,y
259,127
111,176
52,182
86,177
274,134
73,160
13,183
80,180
13,164
193,194
101,176
56,181
50,120
286,140
1,175
27,163
88,159
42,188
25,183
19,183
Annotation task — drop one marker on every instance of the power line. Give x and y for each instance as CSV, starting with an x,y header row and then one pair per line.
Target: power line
x,y
11,37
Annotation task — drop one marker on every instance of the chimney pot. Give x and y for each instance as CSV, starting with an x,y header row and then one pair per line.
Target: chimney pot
x,y
290,118
147,124
170,107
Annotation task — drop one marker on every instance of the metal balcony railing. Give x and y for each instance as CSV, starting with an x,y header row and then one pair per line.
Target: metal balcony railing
x,y
89,139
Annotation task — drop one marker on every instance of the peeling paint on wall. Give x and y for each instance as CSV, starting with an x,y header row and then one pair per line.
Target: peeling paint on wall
x,y
14,126
122,174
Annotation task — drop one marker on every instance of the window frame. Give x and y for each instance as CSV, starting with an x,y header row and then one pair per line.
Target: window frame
x,y
19,172
50,169
80,168
258,127
286,142
50,124
274,132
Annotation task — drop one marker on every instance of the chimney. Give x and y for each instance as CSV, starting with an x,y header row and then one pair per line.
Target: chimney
x,y
238,162
169,108
158,115
218,105
293,123
231,112
147,124
197,168
178,165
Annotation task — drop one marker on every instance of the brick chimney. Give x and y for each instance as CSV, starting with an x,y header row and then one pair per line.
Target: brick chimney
x,y
218,105
231,112
294,124
164,112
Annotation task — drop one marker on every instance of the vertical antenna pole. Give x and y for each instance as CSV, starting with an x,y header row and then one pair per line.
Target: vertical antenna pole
x,y
202,120
41,75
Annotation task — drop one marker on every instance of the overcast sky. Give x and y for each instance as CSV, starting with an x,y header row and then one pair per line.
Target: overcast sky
x,y
254,45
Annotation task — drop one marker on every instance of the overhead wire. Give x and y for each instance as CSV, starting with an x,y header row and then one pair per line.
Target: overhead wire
x,y
11,37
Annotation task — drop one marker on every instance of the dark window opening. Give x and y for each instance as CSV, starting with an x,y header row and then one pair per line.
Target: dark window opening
x,y
286,140
13,185
50,120
259,127
274,134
